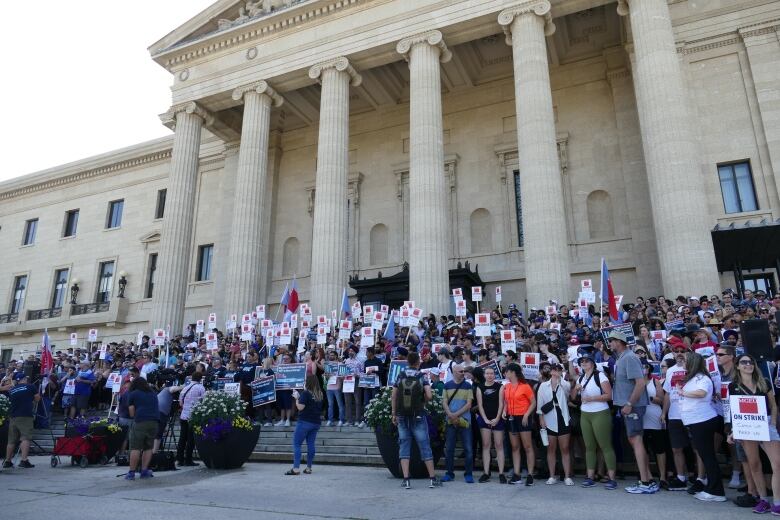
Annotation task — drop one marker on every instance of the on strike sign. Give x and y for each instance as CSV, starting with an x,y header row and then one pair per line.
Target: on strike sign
x,y
507,340
482,324
749,420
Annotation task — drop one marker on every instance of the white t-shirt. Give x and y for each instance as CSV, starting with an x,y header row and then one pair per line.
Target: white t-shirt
x,y
591,389
697,409
446,371
652,418
674,376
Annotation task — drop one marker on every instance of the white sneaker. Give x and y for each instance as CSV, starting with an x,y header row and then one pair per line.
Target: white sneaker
x,y
287,422
280,423
329,423
269,423
735,483
340,424
568,481
551,481
706,497
362,424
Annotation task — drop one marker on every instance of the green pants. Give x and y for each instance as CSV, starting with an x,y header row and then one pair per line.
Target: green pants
x,y
597,433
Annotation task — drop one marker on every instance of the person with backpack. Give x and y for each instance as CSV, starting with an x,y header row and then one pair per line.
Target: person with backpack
x,y
594,393
410,393
457,405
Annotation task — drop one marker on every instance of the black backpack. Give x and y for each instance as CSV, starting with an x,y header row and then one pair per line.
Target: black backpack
x,y
410,398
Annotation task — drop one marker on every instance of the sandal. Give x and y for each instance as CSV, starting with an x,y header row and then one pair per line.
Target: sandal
x,y
293,472
307,471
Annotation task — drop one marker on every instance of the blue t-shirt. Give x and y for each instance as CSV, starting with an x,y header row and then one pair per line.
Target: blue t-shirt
x,y
22,400
313,409
457,394
146,407
84,388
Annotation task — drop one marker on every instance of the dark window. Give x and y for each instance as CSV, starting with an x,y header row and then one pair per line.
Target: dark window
x,y
114,219
150,278
519,209
736,185
204,262
20,289
60,288
160,211
105,282
71,223
30,228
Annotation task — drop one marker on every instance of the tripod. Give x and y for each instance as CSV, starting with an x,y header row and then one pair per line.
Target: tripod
x,y
169,435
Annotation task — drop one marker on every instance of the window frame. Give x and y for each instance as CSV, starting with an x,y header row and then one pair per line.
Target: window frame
x,y
150,271
64,294
66,224
199,275
13,308
159,209
110,214
739,196
30,222
99,284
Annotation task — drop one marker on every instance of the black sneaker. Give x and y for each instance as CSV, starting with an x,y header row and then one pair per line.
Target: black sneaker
x,y
501,478
406,484
515,479
8,464
435,482
743,489
675,484
26,464
529,480
746,500
696,487
484,478
664,485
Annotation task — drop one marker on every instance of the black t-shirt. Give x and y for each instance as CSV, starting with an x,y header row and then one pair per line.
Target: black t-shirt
x,y
22,397
247,373
312,411
490,399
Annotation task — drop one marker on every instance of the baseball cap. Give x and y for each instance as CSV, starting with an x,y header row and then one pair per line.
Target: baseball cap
x,y
19,376
618,335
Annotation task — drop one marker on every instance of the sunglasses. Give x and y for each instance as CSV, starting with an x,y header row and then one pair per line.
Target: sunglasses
x,y
641,352
746,362
721,354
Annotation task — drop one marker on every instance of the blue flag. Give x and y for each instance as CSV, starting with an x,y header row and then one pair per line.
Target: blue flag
x,y
390,329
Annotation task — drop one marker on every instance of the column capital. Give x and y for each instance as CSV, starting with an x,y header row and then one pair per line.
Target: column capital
x,y
341,64
260,87
433,38
190,107
541,8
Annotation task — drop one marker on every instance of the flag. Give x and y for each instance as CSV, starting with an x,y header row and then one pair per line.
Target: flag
x,y
608,293
346,310
285,297
47,361
291,304
390,329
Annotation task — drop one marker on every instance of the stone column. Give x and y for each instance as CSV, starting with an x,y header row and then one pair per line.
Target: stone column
x,y
429,233
682,229
170,288
329,233
547,271
246,247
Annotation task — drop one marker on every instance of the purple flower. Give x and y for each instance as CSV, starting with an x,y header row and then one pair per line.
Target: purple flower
x,y
217,429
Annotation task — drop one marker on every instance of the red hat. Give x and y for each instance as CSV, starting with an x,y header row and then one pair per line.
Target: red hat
x,y
574,341
676,342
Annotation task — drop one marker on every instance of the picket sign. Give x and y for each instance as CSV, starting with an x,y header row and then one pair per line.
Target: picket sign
x,y
482,324
508,340
498,294
476,294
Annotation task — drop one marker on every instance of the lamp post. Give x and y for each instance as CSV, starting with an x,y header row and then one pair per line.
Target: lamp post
x,y
122,283
74,291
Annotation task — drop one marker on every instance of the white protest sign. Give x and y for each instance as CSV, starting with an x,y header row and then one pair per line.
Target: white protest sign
x,y
246,332
368,314
507,340
285,334
550,310
588,296
254,317
749,420
212,321
92,335
348,386
377,320
586,285
246,318
70,387
345,329
200,326
211,341
305,323
460,308
103,349
405,313
294,321
232,388
334,318
476,294
530,365
725,401
302,340
260,309
367,336
322,335
159,337
74,339
436,347
498,294
385,309
233,322
457,293
356,310
409,304
482,324
414,317
266,324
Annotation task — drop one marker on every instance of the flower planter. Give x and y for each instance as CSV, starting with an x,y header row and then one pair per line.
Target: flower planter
x,y
230,452
4,436
387,441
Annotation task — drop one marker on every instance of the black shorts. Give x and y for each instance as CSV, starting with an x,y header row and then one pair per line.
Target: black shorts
x,y
563,429
678,434
81,402
656,441
516,424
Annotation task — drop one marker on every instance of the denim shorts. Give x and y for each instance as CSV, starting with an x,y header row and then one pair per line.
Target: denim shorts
x,y
417,427
635,421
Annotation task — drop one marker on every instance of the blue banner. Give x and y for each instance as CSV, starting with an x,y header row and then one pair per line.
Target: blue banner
x,y
290,376
396,366
263,391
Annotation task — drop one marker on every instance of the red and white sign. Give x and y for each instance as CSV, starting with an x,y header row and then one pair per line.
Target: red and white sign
x,y
367,336
74,339
260,309
378,320
305,323
749,419
457,293
385,309
476,294
368,312
345,329
246,318
409,304
498,294
414,318
246,332
212,321
266,324
482,324
200,326
551,310
460,308
92,335
586,285
285,334
508,340
530,365
211,341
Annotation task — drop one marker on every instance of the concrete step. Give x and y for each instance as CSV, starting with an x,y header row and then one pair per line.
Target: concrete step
x,y
325,458
333,450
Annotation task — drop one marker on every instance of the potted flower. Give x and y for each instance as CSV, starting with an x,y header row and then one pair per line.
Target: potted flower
x,y
97,427
5,411
378,415
224,436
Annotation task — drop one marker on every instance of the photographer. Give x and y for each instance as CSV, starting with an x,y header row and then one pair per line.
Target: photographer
x,y
22,395
143,408
190,395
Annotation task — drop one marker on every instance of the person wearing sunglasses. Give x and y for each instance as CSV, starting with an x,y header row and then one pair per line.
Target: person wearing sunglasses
x,y
750,381
678,436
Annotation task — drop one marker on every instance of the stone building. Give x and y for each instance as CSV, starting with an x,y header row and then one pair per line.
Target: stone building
x,y
321,139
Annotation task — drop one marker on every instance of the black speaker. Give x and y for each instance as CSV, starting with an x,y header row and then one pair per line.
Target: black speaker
x,y
756,339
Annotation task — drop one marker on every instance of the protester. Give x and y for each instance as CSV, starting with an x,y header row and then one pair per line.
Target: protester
x,y
654,437
520,402
144,410
553,409
23,398
189,397
490,402
309,406
457,406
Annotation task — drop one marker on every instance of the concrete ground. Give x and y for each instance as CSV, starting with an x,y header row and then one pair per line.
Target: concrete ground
x,y
260,490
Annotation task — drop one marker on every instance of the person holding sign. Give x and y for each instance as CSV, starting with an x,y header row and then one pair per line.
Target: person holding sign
x,y
748,381
520,402
490,402
309,406
700,418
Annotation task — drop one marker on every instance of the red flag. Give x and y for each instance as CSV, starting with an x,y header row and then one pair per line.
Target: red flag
x,y
47,361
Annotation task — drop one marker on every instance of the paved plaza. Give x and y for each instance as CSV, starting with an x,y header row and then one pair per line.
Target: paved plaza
x,y
260,490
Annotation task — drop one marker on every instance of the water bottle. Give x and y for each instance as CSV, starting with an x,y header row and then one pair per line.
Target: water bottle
x,y
543,435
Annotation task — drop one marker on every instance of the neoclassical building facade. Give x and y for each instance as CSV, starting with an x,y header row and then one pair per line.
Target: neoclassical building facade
x,y
323,139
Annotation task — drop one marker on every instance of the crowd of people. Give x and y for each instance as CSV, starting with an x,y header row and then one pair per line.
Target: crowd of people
x,y
599,399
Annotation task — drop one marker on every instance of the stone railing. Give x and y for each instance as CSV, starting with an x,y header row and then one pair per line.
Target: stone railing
x,y
11,317
43,314
89,308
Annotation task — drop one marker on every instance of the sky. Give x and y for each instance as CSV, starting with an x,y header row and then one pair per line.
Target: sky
x,y
78,80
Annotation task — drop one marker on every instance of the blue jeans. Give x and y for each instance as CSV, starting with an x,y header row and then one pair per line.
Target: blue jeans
x,y
335,396
465,438
368,394
304,430
416,427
